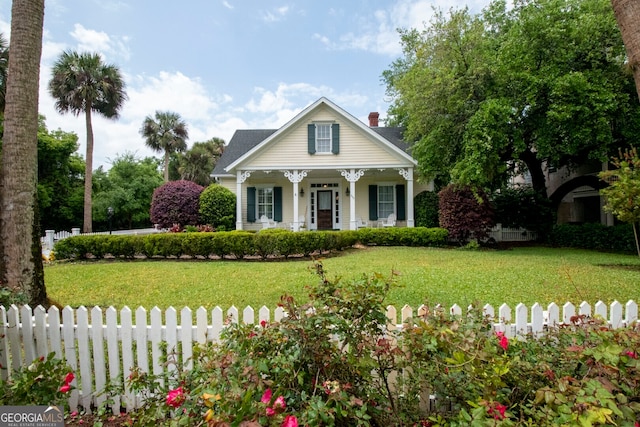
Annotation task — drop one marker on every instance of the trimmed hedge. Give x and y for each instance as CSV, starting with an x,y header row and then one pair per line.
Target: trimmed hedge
x,y
594,236
240,244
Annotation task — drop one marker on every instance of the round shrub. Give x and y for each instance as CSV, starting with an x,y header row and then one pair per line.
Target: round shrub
x,y
176,202
218,207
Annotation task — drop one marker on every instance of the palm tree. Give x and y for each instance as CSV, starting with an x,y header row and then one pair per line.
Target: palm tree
x,y
197,163
21,256
627,14
82,83
168,133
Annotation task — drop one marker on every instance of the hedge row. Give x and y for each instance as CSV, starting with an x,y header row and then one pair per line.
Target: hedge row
x,y
594,236
241,244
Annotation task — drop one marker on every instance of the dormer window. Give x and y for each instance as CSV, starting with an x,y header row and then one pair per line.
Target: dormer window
x,y
324,138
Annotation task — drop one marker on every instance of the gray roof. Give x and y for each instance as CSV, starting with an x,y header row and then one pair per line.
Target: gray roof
x,y
244,140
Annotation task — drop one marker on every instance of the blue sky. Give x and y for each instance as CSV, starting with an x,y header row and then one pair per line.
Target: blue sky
x,y
227,64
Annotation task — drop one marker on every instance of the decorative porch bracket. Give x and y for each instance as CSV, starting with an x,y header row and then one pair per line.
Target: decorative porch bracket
x,y
241,177
295,177
352,176
407,174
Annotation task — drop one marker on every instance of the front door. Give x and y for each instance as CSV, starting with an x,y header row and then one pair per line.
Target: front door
x,y
325,210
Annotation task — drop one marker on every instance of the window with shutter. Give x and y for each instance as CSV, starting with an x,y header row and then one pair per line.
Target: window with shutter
x,y
323,138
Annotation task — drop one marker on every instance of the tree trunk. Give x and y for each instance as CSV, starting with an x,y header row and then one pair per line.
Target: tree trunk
x,y
166,166
88,175
627,14
538,180
21,250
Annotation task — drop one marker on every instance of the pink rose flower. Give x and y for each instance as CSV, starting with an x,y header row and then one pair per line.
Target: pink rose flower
x,y
65,388
503,341
497,411
279,404
631,354
175,397
270,412
290,421
266,397
69,377
263,323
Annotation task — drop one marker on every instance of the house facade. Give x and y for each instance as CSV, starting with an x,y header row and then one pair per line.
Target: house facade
x,y
323,170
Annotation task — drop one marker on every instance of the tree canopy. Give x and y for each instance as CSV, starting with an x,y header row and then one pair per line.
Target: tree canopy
x,y
507,91
127,187
167,133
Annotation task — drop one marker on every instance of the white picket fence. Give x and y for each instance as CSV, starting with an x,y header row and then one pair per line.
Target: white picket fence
x,y
506,234
101,348
52,236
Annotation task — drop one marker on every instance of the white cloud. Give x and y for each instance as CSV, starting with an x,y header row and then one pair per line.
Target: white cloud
x,y
277,14
99,41
378,31
227,4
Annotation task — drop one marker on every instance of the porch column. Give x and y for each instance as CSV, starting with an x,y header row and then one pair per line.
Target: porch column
x,y
352,176
241,177
295,177
407,174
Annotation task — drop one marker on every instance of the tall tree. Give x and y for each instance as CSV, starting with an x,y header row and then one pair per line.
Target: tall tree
x,y
196,163
21,263
167,133
513,89
82,83
627,14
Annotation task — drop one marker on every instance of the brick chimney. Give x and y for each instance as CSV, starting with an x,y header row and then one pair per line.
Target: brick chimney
x,y
373,119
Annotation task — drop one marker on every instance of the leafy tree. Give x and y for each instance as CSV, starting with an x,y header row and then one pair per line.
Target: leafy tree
x,y
523,207
505,91
197,163
465,212
167,133
127,188
627,14
623,193
176,202
218,207
81,84
21,270
60,179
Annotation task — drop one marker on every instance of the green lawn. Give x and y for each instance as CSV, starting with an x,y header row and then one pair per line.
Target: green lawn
x,y
427,275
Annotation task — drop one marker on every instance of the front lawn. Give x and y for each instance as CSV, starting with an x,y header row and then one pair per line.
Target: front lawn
x,y
427,275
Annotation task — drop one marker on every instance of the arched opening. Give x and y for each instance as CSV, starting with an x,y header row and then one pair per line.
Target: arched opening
x,y
578,200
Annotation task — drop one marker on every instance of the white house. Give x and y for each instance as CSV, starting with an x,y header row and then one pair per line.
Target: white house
x,y
323,170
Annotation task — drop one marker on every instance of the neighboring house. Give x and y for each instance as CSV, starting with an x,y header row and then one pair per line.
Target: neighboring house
x,y
323,170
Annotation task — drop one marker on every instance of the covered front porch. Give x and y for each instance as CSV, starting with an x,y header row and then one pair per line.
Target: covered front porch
x,y
324,199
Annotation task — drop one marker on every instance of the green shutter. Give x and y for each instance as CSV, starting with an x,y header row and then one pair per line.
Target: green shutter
x,y
401,203
277,204
373,203
335,138
311,139
251,204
